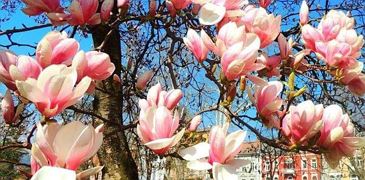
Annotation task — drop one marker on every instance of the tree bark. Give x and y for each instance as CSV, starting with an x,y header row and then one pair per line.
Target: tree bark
x,y
114,154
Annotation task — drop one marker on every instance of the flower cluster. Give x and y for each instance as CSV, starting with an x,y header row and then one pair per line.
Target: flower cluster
x,y
58,76
80,12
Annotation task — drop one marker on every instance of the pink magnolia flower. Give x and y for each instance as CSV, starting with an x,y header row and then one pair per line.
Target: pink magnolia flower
x,y
226,39
144,79
8,109
36,7
272,65
65,146
152,8
303,13
25,68
83,12
267,100
176,5
240,59
195,122
265,26
334,41
303,122
218,155
157,123
54,90
106,9
196,45
354,79
93,64
56,48
55,173
6,60
214,11
17,68
337,135
285,46
264,3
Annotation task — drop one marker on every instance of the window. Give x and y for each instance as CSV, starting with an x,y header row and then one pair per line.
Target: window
x,y
267,165
305,178
314,177
354,177
276,178
289,164
304,164
314,163
290,178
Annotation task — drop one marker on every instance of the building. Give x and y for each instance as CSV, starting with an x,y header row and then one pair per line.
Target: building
x,y
292,166
251,152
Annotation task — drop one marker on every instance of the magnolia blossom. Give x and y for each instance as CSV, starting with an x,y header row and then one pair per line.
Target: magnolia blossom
x,y
26,67
195,122
56,48
54,90
36,7
337,136
214,11
264,3
83,12
303,122
240,58
144,79
176,5
272,65
218,155
93,64
265,26
354,79
106,9
7,108
157,123
65,146
48,172
266,99
6,60
196,45
303,13
285,46
334,41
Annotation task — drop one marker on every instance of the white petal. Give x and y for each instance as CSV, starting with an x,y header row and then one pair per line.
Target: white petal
x,y
224,172
195,152
211,14
201,164
55,173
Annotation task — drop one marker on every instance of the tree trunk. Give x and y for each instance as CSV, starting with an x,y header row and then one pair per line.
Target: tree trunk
x,y
114,154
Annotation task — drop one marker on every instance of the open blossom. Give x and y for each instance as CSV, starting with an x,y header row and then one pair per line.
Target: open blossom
x,y
226,39
265,26
175,5
266,99
93,64
56,48
218,155
337,136
334,41
303,13
6,60
65,146
303,122
272,65
83,12
196,45
214,11
54,90
157,122
14,68
354,79
36,7
240,59
56,173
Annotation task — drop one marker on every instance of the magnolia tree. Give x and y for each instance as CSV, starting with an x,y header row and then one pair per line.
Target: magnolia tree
x,y
286,73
